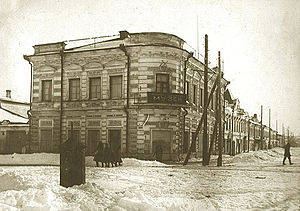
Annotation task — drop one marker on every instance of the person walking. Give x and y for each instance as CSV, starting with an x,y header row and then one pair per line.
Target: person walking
x,y
99,155
287,153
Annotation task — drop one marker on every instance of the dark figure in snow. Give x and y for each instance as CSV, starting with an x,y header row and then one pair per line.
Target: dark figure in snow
x,y
287,153
118,156
99,155
106,155
158,152
113,157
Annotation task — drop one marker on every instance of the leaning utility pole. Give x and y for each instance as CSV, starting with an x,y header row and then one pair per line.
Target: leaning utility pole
x,y
219,110
261,128
199,127
205,145
269,129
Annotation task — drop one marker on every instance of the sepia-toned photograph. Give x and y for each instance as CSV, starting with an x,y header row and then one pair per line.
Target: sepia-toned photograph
x,y
148,105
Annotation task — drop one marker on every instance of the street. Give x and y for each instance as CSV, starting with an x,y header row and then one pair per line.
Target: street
x,y
248,181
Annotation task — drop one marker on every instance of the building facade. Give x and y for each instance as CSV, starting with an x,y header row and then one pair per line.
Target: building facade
x,y
133,92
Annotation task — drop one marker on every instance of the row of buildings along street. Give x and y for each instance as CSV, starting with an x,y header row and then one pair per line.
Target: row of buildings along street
x,y
133,91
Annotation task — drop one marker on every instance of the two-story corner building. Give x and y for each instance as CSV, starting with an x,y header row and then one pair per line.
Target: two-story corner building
x,y
128,92
14,127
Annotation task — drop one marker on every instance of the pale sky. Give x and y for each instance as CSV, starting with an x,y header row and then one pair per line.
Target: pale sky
x,y
259,41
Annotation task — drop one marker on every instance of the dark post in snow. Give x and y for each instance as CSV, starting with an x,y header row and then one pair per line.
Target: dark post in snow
x,y
72,162
261,128
205,145
219,110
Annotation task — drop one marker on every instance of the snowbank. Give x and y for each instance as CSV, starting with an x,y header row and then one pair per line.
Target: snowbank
x,y
255,157
50,159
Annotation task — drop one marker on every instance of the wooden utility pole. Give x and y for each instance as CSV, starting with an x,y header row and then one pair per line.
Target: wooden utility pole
x,y
261,128
219,110
269,129
205,145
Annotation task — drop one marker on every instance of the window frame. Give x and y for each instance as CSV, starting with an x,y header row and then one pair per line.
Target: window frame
x,y
70,89
50,91
90,88
163,84
194,94
111,87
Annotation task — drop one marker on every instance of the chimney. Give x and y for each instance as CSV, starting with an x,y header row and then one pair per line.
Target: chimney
x,y
124,34
8,94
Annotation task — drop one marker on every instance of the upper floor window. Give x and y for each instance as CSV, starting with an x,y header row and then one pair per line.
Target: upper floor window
x,y
116,87
194,100
47,90
95,88
201,97
74,89
162,83
187,90
212,102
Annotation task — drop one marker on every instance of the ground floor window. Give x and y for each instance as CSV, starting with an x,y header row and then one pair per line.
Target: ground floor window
x,y
193,145
76,135
185,142
114,139
46,140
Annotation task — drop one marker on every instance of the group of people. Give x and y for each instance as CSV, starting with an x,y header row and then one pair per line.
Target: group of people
x,y
107,155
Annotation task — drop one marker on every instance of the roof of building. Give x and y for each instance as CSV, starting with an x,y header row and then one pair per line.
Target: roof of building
x,y
13,111
6,115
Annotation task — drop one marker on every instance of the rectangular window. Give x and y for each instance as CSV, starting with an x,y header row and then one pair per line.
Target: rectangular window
x,y
95,88
92,141
74,89
195,94
46,140
185,142
187,90
46,90
116,87
162,83
201,97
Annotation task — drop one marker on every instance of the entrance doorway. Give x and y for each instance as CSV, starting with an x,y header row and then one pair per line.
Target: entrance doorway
x,y
114,139
15,140
92,141
162,137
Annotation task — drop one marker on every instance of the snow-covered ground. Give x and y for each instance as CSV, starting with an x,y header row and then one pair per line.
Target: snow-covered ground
x,y
248,181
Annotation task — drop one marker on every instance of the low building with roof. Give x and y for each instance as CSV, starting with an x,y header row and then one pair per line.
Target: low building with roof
x,y
14,127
